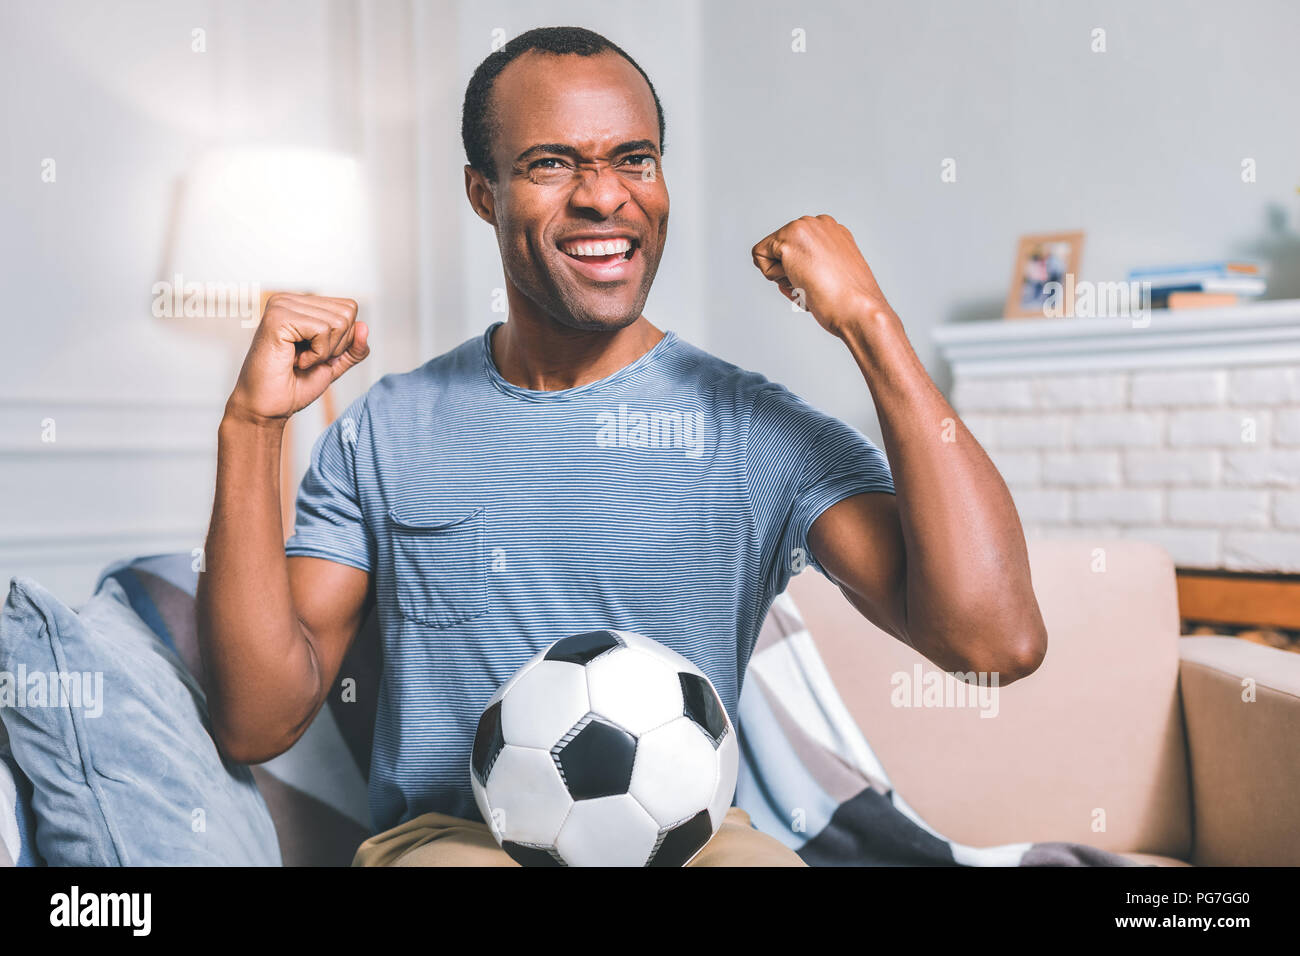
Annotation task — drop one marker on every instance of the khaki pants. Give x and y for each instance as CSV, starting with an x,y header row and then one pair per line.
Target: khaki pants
x,y
435,839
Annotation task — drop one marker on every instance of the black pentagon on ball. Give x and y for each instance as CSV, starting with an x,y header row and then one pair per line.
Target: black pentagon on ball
x,y
583,648
703,706
526,855
488,742
596,761
678,844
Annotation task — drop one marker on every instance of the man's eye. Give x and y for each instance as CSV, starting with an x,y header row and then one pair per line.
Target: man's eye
x,y
640,161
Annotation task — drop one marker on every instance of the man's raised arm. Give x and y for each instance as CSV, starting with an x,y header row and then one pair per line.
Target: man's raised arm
x,y
941,564
273,630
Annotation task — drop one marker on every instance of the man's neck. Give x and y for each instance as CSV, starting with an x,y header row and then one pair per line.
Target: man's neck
x,y
545,356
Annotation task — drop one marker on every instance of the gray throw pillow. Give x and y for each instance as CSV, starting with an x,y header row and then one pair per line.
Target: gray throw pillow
x,y
113,733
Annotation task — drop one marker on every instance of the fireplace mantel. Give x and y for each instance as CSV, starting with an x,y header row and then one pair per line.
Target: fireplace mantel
x,y
1259,333
1183,430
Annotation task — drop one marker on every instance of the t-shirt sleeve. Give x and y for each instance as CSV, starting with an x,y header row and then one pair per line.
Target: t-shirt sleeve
x,y
801,461
329,522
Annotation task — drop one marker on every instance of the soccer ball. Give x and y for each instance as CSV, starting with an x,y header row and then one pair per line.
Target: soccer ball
x,y
606,749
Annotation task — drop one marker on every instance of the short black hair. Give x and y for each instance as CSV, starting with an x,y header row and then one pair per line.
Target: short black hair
x,y
476,122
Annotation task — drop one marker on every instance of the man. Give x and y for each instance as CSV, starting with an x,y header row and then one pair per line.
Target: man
x,y
496,498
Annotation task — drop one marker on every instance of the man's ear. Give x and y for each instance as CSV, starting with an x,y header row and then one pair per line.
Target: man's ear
x,y
479,191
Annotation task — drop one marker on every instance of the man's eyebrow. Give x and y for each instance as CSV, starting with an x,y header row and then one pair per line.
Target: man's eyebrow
x,y
563,149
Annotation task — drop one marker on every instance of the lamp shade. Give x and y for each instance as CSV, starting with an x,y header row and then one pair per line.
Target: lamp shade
x,y
285,219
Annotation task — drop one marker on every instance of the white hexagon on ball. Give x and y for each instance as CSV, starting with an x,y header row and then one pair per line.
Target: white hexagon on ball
x,y
527,796
544,704
675,774
636,690
607,831
657,650
514,678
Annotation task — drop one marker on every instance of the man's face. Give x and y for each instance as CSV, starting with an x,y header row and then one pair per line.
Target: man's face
x,y
577,159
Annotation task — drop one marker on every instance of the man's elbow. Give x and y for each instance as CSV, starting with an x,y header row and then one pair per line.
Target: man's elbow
x,y
238,747
250,750
1021,657
247,745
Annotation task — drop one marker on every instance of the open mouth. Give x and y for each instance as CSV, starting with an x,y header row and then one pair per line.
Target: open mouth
x,y
606,259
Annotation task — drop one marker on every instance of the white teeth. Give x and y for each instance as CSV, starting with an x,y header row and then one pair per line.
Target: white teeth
x,y
609,248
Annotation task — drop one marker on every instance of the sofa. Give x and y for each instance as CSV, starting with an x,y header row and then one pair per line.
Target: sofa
x,y
1128,737
1167,750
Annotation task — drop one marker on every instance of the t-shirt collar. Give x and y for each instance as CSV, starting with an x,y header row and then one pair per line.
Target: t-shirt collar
x,y
542,395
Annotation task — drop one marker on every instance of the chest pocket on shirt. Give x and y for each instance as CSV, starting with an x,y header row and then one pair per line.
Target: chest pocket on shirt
x,y
439,568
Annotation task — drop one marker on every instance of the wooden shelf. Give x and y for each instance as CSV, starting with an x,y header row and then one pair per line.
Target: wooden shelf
x,y
1227,597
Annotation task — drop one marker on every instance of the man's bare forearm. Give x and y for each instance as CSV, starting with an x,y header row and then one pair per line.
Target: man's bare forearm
x,y
969,603
260,668
969,597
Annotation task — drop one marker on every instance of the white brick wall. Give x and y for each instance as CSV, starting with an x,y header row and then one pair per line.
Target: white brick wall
x,y
1189,547
1119,505
1287,431
1017,467
1286,510
1270,467
1179,389
1041,504
1232,428
1274,385
1261,551
1023,394
984,430
1118,429
1169,467
1033,431
1203,462
1081,468
1219,508
1081,391
994,394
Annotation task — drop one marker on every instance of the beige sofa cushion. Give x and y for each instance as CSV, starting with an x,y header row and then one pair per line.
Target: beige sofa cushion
x,y
1245,754
1095,734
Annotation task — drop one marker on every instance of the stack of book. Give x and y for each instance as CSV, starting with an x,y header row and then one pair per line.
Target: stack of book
x,y
1201,284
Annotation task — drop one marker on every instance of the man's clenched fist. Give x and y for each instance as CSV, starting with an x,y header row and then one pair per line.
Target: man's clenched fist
x,y
815,262
304,342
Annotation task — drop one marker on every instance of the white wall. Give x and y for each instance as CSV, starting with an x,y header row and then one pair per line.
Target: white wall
x,y
118,99
1139,146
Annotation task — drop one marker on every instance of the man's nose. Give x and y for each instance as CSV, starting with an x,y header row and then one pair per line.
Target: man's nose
x,y
599,189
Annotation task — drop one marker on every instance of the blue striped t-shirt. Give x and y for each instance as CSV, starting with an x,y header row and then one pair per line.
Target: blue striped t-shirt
x,y
672,498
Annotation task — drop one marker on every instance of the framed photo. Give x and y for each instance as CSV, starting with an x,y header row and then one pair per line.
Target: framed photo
x,y
1042,260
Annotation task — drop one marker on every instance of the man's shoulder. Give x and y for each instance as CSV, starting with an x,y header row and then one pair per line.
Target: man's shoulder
x,y
422,384
764,405
724,381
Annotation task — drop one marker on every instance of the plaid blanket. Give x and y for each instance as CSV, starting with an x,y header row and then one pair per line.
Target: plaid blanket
x,y
809,778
